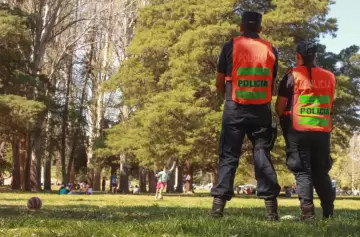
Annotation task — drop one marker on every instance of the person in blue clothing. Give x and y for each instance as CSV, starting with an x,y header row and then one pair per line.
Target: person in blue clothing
x,y
63,190
113,183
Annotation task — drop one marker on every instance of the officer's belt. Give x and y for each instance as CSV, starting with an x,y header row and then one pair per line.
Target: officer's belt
x,y
287,113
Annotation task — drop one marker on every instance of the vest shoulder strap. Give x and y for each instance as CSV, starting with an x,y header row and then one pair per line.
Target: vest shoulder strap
x,y
268,43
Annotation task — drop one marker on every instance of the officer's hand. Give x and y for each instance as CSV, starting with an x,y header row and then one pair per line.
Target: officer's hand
x,y
218,96
275,118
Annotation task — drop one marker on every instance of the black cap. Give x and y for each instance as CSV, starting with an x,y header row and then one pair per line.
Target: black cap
x,y
251,19
306,48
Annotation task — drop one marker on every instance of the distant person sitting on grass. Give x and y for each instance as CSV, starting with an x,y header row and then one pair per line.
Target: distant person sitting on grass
x,y
163,177
76,185
83,188
63,190
89,189
69,188
136,190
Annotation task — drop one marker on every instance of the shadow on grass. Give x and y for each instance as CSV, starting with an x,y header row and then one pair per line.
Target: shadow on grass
x,y
26,199
188,221
143,213
194,195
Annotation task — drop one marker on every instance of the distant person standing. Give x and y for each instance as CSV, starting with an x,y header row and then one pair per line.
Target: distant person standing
x,y
113,183
103,184
188,184
163,177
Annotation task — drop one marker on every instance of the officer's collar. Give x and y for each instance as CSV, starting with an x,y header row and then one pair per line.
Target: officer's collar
x,y
251,35
303,65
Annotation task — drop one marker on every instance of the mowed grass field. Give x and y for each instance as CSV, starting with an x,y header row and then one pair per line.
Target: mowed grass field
x,y
128,215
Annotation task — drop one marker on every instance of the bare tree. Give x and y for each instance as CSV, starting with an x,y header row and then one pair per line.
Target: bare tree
x,y
77,45
112,35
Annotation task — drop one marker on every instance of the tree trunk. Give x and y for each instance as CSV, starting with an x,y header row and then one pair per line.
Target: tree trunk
x,y
180,180
97,179
215,174
58,167
124,179
33,170
41,36
64,128
38,156
70,167
49,152
72,175
142,179
16,182
170,183
29,144
97,101
78,124
91,175
112,171
188,177
22,162
152,181
47,171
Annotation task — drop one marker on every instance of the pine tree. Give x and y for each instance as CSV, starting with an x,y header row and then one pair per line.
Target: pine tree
x,y
18,114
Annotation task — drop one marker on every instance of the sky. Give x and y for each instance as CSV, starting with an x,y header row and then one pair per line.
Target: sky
x,y
347,12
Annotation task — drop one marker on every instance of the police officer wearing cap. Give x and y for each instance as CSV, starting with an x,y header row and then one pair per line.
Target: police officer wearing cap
x,y
304,104
246,73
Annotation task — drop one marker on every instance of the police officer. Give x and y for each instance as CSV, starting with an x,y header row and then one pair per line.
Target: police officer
x,y
247,69
304,103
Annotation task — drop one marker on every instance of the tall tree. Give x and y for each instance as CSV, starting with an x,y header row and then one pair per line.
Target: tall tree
x,y
19,114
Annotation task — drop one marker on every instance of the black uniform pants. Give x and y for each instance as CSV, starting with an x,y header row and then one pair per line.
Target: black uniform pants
x,y
308,158
232,135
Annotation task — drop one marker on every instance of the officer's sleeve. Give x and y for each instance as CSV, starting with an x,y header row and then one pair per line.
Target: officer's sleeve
x,y
222,61
290,84
333,96
275,69
283,87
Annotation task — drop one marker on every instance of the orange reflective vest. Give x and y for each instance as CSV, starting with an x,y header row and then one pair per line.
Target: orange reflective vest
x,y
313,100
253,62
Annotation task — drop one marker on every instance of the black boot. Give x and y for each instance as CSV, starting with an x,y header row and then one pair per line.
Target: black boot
x,y
328,211
218,207
271,210
308,212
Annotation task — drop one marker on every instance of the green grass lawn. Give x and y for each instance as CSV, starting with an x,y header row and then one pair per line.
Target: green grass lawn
x,y
126,216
